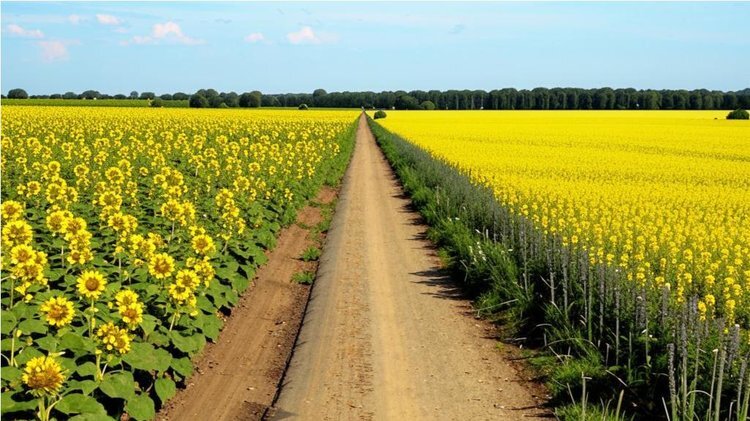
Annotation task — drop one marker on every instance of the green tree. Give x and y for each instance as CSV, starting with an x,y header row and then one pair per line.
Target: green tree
x,y
17,93
427,105
198,101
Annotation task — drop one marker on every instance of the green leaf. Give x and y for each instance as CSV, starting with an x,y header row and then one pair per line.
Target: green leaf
x,y
76,403
165,389
144,356
85,386
141,407
183,366
47,343
149,324
7,321
26,355
240,283
87,369
76,343
90,417
210,325
32,326
120,385
9,404
188,344
10,373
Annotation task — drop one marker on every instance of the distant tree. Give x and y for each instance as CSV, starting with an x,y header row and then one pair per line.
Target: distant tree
x,y
166,97
222,105
55,96
379,114
302,107
90,94
180,96
17,93
70,95
215,101
120,96
157,103
427,105
250,99
147,95
232,100
198,101
406,102
738,114
134,95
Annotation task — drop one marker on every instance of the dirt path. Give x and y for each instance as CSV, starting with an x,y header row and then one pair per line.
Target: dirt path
x,y
237,377
386,336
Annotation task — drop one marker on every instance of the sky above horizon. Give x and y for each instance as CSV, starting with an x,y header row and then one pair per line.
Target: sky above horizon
x,y
297,47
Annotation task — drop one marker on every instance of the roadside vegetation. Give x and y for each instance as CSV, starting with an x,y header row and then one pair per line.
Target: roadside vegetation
x,y
609,346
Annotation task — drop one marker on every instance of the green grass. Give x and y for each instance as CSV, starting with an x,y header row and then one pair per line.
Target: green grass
x,y
305,277
311,254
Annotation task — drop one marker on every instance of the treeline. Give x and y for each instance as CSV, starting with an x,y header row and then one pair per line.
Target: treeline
x,y
498,99
523,99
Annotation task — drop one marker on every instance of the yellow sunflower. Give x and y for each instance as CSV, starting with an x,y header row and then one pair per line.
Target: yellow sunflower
x,y
203,244
43,375
161,266
91,284
58,311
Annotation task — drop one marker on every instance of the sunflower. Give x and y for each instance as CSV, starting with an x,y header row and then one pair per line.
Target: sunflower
x,y
21,254
132,314
56,219
43,375
180,292
188,278
114,338
15,233
91,284
11,210
161,265
58,311
203,244
126,297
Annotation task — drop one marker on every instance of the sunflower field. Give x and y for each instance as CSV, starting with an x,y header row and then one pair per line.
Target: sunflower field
x,y
128,233
631,235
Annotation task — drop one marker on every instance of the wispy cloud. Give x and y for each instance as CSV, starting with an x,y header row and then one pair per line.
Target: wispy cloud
x,y
254,37
17,30
76,19
108,19
306,35
53,50
167,32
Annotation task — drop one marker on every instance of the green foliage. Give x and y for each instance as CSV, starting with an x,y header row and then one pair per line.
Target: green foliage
x,y
306,277
311,254
198,101
75,102
250,99
17,94
157,103
379,114
302,107
427,105
738,114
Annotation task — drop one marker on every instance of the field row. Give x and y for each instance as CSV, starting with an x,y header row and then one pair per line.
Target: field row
x,y
631,235
128,234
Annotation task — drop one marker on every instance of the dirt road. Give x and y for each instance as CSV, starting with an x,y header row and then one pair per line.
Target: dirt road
x,y
386,336
237,377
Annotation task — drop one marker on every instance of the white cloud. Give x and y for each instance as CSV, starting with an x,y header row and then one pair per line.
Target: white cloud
x,y
108,19
304,36
254,37
18,31
76,19
121,30
53,50
168,31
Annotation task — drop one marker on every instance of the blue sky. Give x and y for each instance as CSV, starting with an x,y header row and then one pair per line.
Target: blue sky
x,y
297,47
